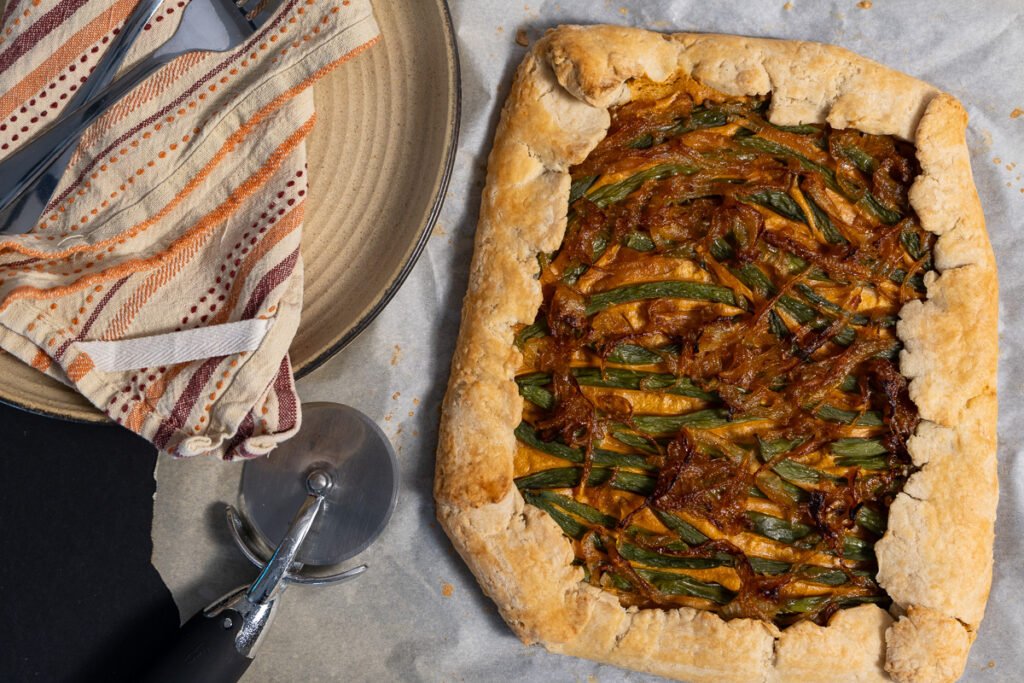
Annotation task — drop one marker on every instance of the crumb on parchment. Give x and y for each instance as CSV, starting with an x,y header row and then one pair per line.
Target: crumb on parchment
x,y
788,6
522,38
396,354
1017,113
447,589
864,4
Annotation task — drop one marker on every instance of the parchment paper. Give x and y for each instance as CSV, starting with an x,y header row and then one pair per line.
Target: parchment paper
x,y
418,613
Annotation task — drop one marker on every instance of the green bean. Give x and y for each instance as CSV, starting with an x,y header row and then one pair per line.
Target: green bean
x,y
822,302
538,396
528,435
824,223
869,418
706,117
567,477
537,379
649,558
681,584
777,529
698,118
868,202
686,531
632,354
916,282
912,243
708,418
769,449
638,442
634,379
537,329
801,129
854,447
779,202
805,604
872,463
720,249
871,519
645,141
800,311
573,273
878,210
829,577
639,241
580,186
765,566
776,325
754,277
779,150
861,159
773,483
675,289
582,510
616,192
816,602
570,526
799,473
857,549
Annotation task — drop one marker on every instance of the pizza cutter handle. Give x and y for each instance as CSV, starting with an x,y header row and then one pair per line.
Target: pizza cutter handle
x,y
218,644
205,652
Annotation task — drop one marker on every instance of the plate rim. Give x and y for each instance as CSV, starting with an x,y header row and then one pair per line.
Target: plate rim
x,y
455,75
98,417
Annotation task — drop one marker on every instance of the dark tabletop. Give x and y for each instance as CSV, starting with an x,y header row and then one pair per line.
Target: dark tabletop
x,y
79,599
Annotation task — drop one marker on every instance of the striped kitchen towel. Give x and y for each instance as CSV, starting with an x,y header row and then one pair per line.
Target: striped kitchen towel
x,y
164,281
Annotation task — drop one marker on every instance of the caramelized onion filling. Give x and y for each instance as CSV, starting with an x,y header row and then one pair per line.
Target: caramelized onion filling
x,y
714,412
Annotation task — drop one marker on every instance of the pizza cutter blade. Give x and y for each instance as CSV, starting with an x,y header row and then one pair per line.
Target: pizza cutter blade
x,y
341,476
347,448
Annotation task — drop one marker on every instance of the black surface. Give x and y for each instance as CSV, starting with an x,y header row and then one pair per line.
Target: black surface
x,y
204,651
79,599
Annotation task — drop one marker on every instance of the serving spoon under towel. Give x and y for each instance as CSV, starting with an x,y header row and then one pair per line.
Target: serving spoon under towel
x,y
29,176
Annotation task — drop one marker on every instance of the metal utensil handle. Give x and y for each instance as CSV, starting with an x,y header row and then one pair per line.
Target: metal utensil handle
x,y
111,60
218,644
22,169
27,213
204,652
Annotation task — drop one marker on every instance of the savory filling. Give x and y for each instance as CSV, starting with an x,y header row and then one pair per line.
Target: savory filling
x,y
714,412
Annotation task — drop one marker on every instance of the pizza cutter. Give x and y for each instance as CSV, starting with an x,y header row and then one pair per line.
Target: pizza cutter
x,y
316,501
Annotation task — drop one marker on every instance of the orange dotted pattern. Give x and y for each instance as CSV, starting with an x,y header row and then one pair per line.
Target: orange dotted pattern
x,y
54,218
83,269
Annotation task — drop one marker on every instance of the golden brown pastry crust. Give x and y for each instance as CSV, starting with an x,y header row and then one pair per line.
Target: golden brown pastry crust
x,y
556,113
